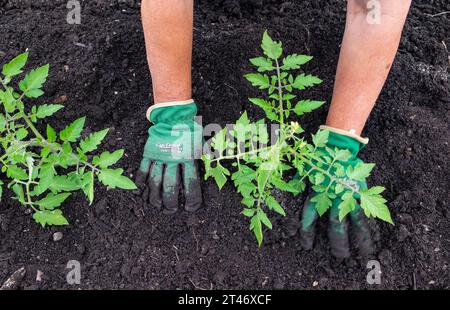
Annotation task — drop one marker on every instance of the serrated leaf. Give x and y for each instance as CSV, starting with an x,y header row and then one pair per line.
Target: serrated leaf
x,y
294,61
319,178
107,159
258,80
3,123
275,206
66,183
320,139
51,134
346,206
262,178
263,104
360,172
47,217
52,201
218,173
303,81
15,66
322,203
17,173
46,174
8,100
271,48
88,186
248,212
342,155
33,81
339,188
113,178
91,143
219,141
47,110
18,190
375,205
307,106
262,63
21,134
256,227
73,131
264,219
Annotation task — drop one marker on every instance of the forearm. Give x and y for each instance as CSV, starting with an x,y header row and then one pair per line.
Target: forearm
x,y
367,53
168,36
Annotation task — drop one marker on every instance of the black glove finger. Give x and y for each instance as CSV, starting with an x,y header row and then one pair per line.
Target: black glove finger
x,y
192,187
154,183
171,188
361,232
308,225
142,175
338,233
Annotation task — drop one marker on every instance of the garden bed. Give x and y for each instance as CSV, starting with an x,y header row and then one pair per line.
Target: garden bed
x,y
99,69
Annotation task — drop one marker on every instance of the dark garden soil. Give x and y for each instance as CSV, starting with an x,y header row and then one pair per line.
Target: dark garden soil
x,y
99,69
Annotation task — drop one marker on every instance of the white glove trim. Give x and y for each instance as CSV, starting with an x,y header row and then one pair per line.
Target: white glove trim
x,y
350,133
167,104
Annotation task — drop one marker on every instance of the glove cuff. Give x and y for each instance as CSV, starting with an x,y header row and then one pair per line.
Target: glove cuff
x,y
350,134
165,105
345,140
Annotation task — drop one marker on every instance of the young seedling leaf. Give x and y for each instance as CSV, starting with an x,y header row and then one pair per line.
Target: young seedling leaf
x,y
271,49
219,175
263,64
88,186
347,205
47,110
304,81
360,172
73,131
15,66
91,143
107,159
275,206
307,106
66,183
32,83
114,179
47,217
52,201
51,134
320,139
258,80
294,61
264,219
256,227
17,173
323,202
375,205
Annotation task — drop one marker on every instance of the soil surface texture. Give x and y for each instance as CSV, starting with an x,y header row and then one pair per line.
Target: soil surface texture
x,y
99,70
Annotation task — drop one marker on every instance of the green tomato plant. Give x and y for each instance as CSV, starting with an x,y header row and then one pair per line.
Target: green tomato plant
x,y
258,167
44,169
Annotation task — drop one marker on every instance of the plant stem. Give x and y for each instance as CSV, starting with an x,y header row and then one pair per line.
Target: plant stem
x,y
280,93
240,155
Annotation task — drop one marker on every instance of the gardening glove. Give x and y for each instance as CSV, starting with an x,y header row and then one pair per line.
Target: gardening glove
x,y
337,230
168,165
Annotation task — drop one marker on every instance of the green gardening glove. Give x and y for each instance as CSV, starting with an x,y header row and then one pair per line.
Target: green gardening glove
x,y
168,166
337,230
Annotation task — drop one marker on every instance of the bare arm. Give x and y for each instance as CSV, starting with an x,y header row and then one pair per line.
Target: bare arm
x,y
168,27
367,53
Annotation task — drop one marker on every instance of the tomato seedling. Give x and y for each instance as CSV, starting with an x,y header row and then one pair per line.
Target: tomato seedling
x,y
259,167
43,170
